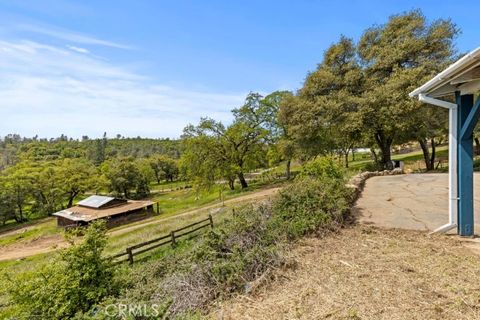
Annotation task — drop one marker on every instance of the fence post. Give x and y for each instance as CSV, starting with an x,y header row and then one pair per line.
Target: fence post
x,y
174,243
130,255
158,208
211,220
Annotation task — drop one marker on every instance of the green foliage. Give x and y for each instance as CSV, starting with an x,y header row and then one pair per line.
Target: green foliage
x,y
359,93
124,174
73,283
323,115
324,167
232,150
420,50
77,177
164,168
310,203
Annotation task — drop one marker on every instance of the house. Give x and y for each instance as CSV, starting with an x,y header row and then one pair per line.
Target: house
x,y
115,211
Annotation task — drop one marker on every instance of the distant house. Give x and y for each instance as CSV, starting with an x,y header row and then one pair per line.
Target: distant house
x,y
114,211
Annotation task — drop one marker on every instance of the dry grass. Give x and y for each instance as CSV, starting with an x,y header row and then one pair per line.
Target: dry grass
x,y
369,273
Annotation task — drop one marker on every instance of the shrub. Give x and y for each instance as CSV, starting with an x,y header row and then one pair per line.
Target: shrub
x,y
73,283
373,166
323,167
309,204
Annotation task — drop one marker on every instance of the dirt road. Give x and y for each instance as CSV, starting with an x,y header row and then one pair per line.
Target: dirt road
x,y
53,242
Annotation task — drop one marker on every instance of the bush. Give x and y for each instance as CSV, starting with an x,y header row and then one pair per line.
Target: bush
x,y
373,166
75,282
309,204
323,167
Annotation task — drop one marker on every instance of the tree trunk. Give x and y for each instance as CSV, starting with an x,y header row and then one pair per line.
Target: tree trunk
x,y
426,153
71,197
384,143
353,154
374,155
432,157
20,211
347,152
477,146
243,182
231,183
287,170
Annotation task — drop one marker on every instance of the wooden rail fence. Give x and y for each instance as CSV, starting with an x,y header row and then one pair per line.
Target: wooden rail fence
x,y
171,238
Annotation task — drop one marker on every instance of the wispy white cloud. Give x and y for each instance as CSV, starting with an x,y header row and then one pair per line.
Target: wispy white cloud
x,y
48,90
78,49
70,36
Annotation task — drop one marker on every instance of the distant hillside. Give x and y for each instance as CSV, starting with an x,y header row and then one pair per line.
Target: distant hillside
x,y
14,148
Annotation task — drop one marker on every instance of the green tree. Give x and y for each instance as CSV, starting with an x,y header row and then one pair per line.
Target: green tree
x,y
46,188
70,285
98,151
278,124
7,204
77,177
204,160
122,175
240,146
146,175
397,57
17,185
164,167
324,116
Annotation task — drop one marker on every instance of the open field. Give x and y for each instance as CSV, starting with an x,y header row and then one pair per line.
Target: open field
x,y
368,273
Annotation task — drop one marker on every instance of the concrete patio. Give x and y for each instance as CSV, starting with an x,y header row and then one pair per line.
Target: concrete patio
x,y
411,201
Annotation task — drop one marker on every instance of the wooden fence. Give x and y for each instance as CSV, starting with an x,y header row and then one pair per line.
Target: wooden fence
x,y
171,238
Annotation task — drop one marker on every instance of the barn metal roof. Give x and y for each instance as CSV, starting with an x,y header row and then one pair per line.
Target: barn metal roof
x,y
95,201
463,76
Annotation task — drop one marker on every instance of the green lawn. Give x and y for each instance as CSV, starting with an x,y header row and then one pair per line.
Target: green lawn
x,y
412,160
32,231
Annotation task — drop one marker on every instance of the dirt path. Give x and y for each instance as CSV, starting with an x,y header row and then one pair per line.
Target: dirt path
x,y
51,243
368,273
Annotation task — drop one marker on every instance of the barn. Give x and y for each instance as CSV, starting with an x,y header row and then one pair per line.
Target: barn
x,y
115,211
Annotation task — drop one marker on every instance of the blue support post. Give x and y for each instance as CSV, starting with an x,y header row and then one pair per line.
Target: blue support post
x,y
465,163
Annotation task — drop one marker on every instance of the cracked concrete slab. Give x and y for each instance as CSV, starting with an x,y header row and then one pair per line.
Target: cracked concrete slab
x,y
411,201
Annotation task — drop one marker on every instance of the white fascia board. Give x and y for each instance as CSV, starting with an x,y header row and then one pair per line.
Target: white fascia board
x,y
456,69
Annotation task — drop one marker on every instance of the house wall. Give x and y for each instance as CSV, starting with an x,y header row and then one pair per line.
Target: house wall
x,y
64,222
128,217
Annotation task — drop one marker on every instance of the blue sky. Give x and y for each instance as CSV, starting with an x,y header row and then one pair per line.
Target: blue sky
x,y
149,68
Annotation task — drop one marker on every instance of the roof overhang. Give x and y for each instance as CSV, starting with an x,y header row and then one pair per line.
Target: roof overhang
x,y
69,215
462,76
